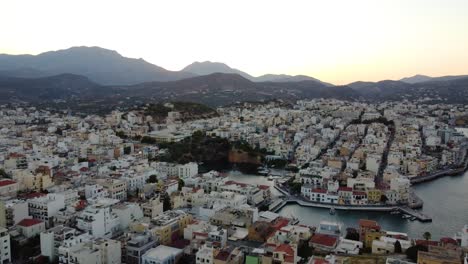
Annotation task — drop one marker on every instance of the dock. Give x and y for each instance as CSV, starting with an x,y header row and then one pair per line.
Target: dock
x,y
420,216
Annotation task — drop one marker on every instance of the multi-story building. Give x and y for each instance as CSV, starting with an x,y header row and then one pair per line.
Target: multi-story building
x,y
8,188
168,225
367,226
31,227
99,220
137,246
13,211
95,191
402,187
116,188
162,255
45,207
153,207
56,242
5,247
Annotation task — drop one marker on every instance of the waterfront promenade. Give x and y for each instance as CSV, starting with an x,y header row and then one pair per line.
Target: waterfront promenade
x,y
438,174
288,199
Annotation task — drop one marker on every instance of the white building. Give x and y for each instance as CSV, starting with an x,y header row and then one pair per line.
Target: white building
x,y
373,162
45,207
99,220
402,187
95,191
127,214
162,255
5,247
204,255
56,242
31,227
187,170
386,245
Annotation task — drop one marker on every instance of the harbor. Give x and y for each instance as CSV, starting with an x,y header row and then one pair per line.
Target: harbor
x,y
289,199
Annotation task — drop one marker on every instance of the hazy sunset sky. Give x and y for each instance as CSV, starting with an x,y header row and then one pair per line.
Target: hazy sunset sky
x,y
335,41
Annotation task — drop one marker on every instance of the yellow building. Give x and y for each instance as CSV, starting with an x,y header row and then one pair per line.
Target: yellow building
x,y
2,214
374,195
166,226
371,236
29,181
440,255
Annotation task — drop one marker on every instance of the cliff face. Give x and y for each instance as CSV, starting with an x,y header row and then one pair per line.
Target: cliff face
x,y
239,156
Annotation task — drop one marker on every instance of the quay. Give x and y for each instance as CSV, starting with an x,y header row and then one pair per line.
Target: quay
x,y
446,172
278,204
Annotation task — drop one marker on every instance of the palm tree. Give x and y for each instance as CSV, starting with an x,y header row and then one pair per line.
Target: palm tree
x,y
427,236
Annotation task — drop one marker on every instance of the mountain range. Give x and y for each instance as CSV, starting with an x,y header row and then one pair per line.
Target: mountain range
x,y
92,76
107,67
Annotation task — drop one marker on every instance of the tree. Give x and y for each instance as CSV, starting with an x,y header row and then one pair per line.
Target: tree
x,y
412,252
3,174
181,184
427,236
383,198
167,205
304,250
127,150
295,187
152,179
352,234
398,247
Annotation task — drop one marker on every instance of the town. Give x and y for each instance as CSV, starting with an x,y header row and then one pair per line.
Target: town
x,y
131,187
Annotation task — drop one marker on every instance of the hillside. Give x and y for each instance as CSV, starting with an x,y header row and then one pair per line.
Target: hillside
x,y
100,65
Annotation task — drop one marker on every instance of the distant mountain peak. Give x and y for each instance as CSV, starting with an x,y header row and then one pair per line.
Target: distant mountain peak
x,y
209,67
416,79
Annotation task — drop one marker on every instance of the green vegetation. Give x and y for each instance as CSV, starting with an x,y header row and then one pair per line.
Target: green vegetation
x,y
352,234
412,252
181,184
3,174
427,236
295,187
398,247
188,110
213,151
167,205
152,179
277,163
121,134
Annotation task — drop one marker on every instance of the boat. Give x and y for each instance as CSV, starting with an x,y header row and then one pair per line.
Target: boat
x,y
270,178
332,211
413,218
405,216
263,171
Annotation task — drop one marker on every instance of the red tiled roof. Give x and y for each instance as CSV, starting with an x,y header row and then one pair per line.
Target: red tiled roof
x,y
6,182
289,259
280,223
427,242
29,222
321,261
359,193
16,155
448,240
223,255
317,190
324,239
34,195
345,189
368,223
285,248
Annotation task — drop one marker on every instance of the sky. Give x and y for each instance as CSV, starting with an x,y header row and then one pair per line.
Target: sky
x,y
338,41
